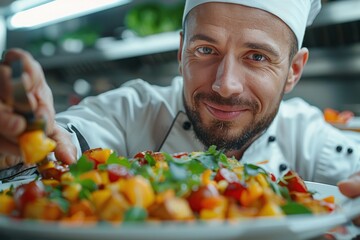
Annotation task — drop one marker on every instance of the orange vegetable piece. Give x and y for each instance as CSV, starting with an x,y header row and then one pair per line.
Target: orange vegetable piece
x,y
93,175
334,116
330,115
139,191
35,146
329,199
83,206
100,155
271,209
7,204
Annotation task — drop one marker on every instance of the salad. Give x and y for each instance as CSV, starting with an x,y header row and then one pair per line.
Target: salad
x,y
158,186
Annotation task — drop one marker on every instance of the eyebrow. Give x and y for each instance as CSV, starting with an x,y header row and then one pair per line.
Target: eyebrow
x,y
202,37
263,46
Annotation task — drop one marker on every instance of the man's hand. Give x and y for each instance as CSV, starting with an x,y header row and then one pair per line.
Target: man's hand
x,y
351,189
41,100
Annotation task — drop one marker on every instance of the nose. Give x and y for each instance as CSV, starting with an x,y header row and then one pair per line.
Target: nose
x,y
229,80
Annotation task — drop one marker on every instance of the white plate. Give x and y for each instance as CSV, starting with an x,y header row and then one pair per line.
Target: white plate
x,y
294,227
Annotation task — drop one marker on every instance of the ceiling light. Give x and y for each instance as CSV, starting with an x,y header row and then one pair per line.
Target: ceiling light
x,y
59,10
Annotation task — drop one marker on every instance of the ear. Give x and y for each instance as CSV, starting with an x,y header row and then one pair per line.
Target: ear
x,y
297,66
179,54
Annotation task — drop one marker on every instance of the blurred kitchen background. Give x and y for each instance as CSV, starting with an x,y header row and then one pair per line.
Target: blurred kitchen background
x,y
114,41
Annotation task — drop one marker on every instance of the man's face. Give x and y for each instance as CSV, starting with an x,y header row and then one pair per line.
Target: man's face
x,y
235,64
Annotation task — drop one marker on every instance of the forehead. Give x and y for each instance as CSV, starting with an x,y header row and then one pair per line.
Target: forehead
x,y
236,18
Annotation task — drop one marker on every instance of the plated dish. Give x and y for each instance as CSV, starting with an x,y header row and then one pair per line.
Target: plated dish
x,y
178,196
291,227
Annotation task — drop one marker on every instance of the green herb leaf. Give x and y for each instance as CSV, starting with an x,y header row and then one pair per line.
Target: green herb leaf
x,y
53,192
88,184
146,171
81,166
208,161
212,150
291,208
178,171
84,194
224,160
253,170
196,167
135,214
168,157
63,204
113,159
150,159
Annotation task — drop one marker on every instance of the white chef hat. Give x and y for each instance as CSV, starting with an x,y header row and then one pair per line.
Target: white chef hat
x,y
297,14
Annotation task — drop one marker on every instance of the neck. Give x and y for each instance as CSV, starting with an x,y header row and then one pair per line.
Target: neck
x,y
235,153
238,153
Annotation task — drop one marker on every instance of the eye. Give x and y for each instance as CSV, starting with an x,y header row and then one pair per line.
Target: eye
x,y
257,57
205,50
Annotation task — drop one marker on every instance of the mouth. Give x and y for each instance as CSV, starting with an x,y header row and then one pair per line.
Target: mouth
x,y
225,112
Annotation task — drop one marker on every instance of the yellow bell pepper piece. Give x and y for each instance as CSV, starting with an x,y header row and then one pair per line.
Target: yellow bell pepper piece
x,y
99,197
99,154
7,204
71,192
139,191
92,175
252,193
271,209
35,146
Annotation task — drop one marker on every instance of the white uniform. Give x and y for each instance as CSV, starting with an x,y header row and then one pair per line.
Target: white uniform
x,y
140,116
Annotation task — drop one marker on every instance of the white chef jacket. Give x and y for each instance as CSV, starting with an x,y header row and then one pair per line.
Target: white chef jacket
x,y
139,116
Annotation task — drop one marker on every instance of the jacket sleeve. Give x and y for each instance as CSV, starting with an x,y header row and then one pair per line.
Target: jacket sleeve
x,y
129,119
318,151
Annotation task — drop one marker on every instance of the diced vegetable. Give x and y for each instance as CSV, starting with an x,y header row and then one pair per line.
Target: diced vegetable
x,y
102,186
35,146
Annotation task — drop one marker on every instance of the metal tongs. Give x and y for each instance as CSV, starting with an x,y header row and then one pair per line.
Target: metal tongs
x,y
20,101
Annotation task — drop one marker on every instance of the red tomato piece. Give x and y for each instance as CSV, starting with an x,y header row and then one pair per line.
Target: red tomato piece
x,y
117,171
294,182
180,154
196,197
234,190
28,193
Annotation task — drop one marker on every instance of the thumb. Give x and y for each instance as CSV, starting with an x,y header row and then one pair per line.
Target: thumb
x,y
350,187
65,150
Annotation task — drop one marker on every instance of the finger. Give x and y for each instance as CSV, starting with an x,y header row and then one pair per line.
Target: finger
x,y
350,187
65,150
45,108
30,66
5,85
11,124
7,161
8,147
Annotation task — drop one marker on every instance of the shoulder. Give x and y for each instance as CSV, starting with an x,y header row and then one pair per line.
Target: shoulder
x,y
299,109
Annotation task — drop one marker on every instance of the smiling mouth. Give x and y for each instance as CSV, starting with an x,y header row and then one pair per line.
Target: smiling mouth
x,y
225,113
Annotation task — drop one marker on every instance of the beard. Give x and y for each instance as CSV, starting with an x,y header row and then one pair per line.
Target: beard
x,y
221,133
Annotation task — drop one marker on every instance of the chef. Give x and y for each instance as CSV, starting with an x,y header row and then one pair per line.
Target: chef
x,y
237,58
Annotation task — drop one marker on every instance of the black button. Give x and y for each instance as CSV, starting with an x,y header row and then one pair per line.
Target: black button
x,y
282,167
186,125
350,150
339,148
271,139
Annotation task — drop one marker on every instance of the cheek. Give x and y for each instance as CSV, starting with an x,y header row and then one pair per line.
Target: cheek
x,y
197,79
267,90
